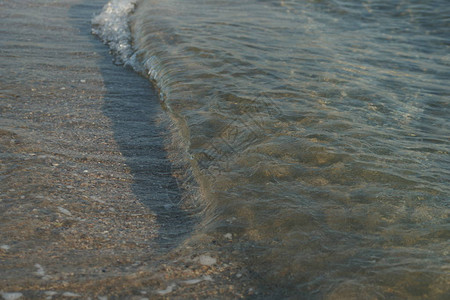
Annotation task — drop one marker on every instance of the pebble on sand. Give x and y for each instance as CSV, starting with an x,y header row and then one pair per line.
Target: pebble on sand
x,y
198,280
207,260
70,294
95,198
11,296
5,247
64,211
50,294
169,289
40,270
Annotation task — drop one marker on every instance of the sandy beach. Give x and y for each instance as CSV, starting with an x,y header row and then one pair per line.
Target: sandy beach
x,y
276,150
89,205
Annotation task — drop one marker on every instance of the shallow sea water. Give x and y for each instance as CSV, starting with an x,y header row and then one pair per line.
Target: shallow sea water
x,y
317,131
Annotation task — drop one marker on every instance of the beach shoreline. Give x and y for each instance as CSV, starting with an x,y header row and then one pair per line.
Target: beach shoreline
x,y
89,204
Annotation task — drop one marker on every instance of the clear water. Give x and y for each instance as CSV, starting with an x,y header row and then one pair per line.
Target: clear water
x,y
318,132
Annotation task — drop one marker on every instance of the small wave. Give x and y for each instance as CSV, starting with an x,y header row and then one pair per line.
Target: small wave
x,y
303,130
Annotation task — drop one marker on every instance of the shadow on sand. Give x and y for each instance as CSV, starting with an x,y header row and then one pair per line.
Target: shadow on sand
x,y
133,107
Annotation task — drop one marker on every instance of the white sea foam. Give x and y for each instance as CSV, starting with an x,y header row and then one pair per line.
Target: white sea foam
x,y
111,25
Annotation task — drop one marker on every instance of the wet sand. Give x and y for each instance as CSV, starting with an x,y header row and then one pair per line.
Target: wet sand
x,y
90,203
